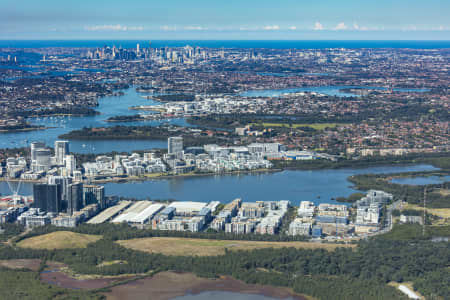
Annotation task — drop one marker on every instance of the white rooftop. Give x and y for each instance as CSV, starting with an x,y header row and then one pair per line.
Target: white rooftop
x,y
187,206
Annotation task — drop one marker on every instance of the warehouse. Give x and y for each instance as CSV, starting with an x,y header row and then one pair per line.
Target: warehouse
x,y
147,214
132,212
187,208
109,213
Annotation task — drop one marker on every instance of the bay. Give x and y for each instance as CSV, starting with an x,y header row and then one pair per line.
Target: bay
x,y
318,186
108,107
421,180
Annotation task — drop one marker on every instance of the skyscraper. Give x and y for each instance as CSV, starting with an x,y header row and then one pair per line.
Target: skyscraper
x,y
75,197
61,150
94,194
71,163
175,144
47,197
63,183
42,160
33,147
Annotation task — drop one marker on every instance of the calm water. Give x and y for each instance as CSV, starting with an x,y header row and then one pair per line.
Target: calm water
x,y
327,90
219,295
421,180
273,44
318,186
108,107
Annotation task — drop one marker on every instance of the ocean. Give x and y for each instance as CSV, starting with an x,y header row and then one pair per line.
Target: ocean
x,y
267,44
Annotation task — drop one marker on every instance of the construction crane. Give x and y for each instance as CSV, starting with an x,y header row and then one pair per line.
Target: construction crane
x,y
15,191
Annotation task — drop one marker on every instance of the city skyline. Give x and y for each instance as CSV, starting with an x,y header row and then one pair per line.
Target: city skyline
x,y
244,20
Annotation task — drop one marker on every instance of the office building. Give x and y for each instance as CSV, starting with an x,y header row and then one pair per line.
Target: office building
x,y
94,194
47,197
75,197
43,160
61,150
63,183
33,147
70,163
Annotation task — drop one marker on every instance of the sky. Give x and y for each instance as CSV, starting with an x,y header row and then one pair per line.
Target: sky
x,y
226,19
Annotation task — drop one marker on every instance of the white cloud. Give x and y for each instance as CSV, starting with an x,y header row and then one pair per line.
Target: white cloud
x,y
293,28
357,27
439,28
271,27
409,28
195,28
246,28
340,26
168,28
318,26
116,27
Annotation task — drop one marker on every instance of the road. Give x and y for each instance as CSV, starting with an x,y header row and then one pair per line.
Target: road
x,y
388,223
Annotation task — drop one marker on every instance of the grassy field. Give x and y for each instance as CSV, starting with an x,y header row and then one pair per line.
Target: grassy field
x,y
32,264
440,212
444,192
59,240
316,126
204,247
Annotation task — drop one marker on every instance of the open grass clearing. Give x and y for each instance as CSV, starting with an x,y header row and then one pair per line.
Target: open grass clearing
x,y
59,240
440,212
205,247
112,262
32,264
444,192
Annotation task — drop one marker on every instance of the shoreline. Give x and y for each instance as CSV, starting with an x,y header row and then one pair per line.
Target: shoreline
x,y
24,129
152,176
187,175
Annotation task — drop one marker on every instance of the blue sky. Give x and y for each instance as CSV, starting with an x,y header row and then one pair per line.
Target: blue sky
x,y
225,19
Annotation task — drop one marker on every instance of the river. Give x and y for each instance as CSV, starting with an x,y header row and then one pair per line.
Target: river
x,y
318,186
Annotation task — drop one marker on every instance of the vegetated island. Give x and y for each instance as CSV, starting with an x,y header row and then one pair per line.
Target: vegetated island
x,y
171,97
141,133
132,118
21,127
69,111
175,98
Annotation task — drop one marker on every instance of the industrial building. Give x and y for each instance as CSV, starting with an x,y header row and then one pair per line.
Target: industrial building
x,y
110,213
141,212
187,208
